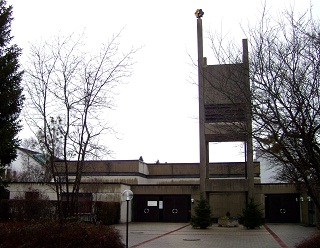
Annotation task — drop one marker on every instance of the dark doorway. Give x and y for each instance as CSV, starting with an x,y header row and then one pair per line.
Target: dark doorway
x,y
146,208
166,208
282,208
176,208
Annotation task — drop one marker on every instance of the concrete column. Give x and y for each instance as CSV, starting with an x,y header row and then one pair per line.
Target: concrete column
x,y
249,144
202,140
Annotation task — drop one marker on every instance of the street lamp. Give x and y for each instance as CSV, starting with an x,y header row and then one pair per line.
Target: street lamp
x,y
127,195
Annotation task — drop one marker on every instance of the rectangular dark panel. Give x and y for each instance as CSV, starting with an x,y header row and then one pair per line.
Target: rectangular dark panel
x,y
146,208
282,208
176,208
224,113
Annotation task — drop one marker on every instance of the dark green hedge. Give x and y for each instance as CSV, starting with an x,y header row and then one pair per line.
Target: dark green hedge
x,y
108,213
4,210
32,209
56,235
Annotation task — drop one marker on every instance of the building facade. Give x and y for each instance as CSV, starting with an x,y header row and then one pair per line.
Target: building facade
x,y
168,192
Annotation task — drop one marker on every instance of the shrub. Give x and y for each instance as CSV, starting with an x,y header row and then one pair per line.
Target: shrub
x,y
34,205
252,215
4,203
4,209
54,234
31,209
108,213
203,218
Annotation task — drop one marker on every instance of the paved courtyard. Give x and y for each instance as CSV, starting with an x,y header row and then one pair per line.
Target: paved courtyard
x,y
183,235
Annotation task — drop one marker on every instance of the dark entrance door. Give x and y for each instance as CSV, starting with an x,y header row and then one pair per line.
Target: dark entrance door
x,y
166,208
146,208
282,208
176,208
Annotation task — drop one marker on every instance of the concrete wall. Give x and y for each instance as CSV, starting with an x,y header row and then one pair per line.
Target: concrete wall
x,y
17,190
139,180
275,188
165,189
131,167
229,84
308,212
107,166
232,202
226,185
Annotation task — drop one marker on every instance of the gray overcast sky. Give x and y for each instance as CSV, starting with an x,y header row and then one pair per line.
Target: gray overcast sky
x,y
157,109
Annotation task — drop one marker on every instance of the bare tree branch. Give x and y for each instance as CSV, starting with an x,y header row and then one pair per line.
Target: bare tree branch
x,y
68,92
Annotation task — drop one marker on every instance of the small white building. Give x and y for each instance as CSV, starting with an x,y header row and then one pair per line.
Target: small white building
x,y
28,166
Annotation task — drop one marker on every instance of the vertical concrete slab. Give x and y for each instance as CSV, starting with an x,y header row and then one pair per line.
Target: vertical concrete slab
x,y
202,140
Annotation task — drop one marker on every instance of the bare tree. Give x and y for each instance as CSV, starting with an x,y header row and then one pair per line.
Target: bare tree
x,y
285,98
285,87
69,91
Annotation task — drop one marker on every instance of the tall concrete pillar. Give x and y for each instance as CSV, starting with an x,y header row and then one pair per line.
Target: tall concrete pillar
x,y
202,140
249,145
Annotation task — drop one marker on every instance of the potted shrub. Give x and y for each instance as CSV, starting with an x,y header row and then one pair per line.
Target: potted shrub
x,y
228,221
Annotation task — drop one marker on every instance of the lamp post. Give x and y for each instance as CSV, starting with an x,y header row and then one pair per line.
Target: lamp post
x,y
127,195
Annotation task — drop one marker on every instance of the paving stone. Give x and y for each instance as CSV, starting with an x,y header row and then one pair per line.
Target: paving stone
x,y
152,235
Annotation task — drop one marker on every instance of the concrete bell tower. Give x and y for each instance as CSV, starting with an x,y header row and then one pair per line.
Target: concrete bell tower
x,y
224,112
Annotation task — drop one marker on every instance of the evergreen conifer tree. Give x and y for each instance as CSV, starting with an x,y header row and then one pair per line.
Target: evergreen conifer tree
x,y
11,98
252,215
202,218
